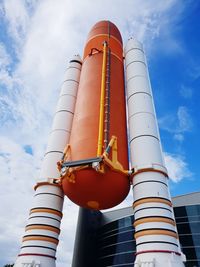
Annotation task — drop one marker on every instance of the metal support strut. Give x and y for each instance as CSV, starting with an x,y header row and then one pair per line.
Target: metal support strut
x,y
102,100
67,168
107,102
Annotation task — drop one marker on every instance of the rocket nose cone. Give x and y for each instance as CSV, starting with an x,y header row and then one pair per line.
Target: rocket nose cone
x,y
105,27
76,59
132,42
104,31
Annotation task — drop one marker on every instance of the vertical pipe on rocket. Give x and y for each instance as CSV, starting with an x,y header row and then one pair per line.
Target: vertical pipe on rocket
x,y
40,241
101,113
155,229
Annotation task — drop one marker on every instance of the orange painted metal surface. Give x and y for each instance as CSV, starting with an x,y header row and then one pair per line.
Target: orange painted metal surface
x,y
92,189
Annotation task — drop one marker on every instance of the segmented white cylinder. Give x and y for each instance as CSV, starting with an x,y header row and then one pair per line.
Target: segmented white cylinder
x,y
42,231
155,229
62,122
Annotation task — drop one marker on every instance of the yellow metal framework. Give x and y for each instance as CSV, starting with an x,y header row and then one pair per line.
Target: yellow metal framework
x,y
113,163
106,162
101,116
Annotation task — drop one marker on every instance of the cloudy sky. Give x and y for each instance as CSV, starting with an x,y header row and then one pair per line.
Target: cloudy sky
x,y
37,39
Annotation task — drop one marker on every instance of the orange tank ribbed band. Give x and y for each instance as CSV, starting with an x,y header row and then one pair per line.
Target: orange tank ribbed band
x,y
46,210
152,199
42,227
154,219
40,238
156,232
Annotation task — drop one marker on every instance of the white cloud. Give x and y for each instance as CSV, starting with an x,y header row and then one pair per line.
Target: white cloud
x,y
186,92
177,167
4,57
185,120
18,173
194,71
67,236
45,35
5,61
177,124
179,137
17,17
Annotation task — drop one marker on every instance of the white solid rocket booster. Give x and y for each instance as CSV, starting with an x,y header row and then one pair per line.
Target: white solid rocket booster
x,y
156,235
40,240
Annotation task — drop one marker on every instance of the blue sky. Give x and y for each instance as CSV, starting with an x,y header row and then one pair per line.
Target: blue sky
x,y
37,39
175,79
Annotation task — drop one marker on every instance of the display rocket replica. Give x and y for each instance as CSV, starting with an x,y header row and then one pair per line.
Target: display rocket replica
x,y
87,153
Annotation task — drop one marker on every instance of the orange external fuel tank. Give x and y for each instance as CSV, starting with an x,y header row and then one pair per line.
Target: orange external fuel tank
x,y
97,153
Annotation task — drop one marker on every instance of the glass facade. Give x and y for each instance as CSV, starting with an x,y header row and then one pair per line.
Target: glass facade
x,y
113,244
116,244
188,225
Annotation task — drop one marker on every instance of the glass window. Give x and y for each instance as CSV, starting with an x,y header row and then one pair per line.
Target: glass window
x,y
124,258
186,240
109,227
190,253
117,238
181,219
192,263
188,228
117,248
126,246
116,259
195,227
196,240
193,210
180,212
124,222
186,219
125,236
184,228
112,232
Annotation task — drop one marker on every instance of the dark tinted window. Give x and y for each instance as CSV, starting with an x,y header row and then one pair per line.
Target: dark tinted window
x,y
192,264
116,243
103,235
121,223
185,219
117,248
188,225
116,238
122,258
193,210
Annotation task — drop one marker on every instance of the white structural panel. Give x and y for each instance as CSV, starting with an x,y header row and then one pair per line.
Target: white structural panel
x,y
42,231
155,229
62,122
